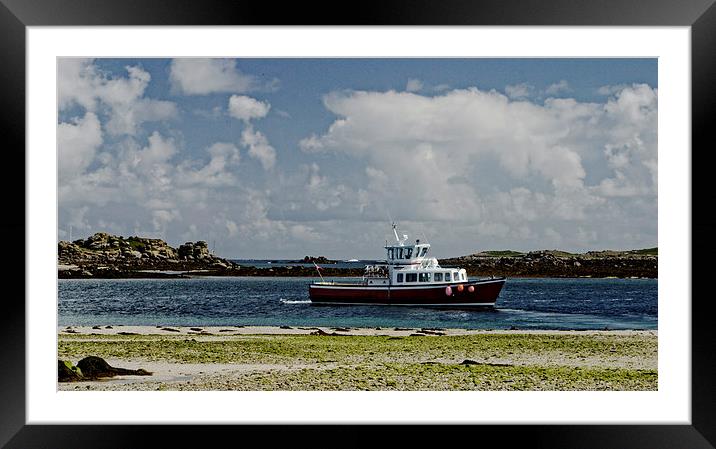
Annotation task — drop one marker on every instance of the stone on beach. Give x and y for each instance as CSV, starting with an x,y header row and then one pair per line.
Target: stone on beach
x,y
92,368
67,372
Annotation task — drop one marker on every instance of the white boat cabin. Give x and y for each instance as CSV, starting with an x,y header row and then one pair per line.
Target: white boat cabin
x,y
408,264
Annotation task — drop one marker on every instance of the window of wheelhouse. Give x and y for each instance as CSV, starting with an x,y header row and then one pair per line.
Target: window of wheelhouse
x,y
438,277
408,253
424,251
390,253
399,277
400,253
447,277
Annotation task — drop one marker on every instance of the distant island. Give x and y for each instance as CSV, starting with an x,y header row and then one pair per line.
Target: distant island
x,y
107,256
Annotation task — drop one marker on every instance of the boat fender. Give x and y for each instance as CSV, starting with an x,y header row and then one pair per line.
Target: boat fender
x,y
460,288
448,291
471,289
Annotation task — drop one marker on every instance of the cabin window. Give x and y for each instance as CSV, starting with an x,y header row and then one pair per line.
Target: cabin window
x,y
438,277
455,276
411,277
400,277
424,252
400,253
424,277
408,253
447,277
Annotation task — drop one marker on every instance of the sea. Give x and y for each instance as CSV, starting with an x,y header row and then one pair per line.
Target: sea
x,y
524,303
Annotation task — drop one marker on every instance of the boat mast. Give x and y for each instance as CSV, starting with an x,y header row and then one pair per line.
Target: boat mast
x,y
395,231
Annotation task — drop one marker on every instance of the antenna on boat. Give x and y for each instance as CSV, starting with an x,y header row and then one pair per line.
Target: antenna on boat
x,y
395,231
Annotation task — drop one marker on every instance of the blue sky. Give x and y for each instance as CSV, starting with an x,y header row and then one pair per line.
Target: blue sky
x,y
279,158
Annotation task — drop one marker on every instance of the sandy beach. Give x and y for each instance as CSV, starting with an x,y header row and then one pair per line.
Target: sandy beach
x,y
260,358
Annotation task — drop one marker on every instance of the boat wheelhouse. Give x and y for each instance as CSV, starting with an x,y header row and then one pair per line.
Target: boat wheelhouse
x,y
409,277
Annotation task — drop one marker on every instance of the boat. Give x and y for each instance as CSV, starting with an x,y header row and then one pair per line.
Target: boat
x,y
408,277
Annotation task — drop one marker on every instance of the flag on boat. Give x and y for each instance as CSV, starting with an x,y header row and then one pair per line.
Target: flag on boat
x,y
318,270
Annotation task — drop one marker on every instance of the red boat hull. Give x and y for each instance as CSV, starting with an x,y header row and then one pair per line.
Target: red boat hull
x,y
484,293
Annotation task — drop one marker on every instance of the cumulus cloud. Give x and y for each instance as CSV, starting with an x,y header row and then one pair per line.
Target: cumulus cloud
x,y
246,108
77,144
259,147
217,172
557,88
509,168
611,89
518,91
413,85
196,76
82,83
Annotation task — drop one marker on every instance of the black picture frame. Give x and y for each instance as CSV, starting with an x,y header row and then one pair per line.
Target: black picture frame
x,y
16,15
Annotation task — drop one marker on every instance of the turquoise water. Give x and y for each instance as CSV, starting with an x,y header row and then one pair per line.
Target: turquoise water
x,y
523,303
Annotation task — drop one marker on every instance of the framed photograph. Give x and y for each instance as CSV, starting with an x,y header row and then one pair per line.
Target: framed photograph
x,y
297,125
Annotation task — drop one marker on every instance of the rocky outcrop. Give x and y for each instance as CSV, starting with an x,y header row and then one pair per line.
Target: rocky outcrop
x,y
318,259
623,264
96,367
109,256
92,368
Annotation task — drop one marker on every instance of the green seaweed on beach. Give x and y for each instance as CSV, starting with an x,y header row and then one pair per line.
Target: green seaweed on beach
x,y
567,361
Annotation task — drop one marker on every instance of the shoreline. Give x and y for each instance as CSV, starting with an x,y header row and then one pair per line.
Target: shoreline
x,y
321,358
119,329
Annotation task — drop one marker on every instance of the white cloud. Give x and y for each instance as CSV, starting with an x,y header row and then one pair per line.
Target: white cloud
x,y
518,91
80,82
413,85
259,147
247,108
195,76
557,88
494,166
611,89
217,172
77,144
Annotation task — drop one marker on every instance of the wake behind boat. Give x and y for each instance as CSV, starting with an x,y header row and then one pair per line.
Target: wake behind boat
x,y
409,278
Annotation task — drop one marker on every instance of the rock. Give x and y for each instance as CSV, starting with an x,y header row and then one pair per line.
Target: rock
x,y
198,329
430,332
66,372
469,362
285,327
324,333
169,329
96,367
